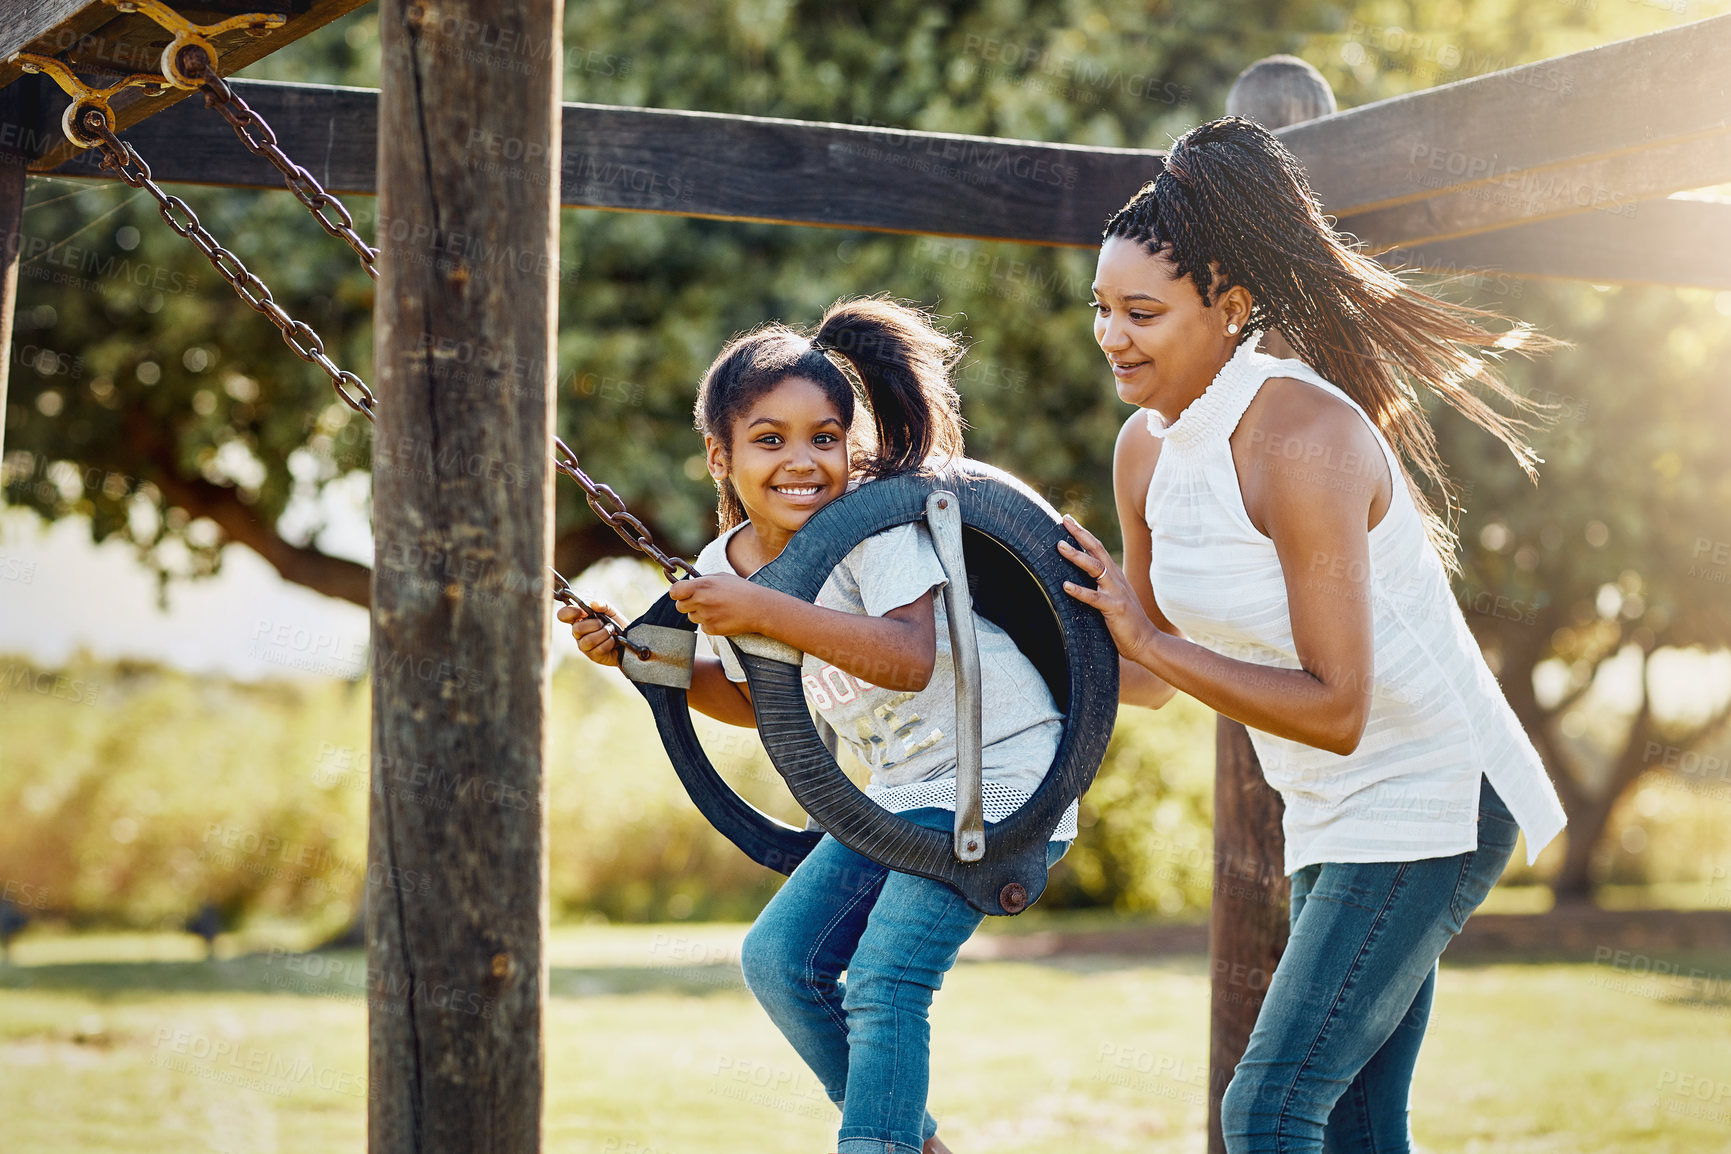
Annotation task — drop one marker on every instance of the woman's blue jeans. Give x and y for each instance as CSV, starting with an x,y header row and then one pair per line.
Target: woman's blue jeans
x,y
866,1039
1329,1064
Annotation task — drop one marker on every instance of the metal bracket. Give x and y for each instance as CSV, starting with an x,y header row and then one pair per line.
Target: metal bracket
x,y
944,519
669,655
84,96
190,35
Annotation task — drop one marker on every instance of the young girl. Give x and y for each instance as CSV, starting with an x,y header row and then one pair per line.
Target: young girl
x,y
1281,566
777,415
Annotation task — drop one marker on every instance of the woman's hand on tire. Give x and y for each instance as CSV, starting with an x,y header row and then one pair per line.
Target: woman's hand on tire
x,y
1111,594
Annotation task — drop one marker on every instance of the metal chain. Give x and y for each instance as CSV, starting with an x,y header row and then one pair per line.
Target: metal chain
x,y
195,62
130,167
565,595
636,534
124,161
261,140
191,61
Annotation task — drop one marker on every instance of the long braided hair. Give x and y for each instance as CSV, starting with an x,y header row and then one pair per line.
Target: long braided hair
x,y
1233,207
903,365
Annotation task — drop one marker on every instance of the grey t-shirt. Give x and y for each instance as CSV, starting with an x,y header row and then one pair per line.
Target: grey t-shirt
x,y
908,736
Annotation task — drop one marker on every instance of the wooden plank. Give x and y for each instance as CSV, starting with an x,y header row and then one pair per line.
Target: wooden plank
x,y
694,163
25,25
103,44
1666,242
333,131
16,107
697,164
889,180
463,503
1602,129
330,130
1596,130
1247,920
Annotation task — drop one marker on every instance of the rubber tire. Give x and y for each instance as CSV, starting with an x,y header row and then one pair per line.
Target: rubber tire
x,y
1010,538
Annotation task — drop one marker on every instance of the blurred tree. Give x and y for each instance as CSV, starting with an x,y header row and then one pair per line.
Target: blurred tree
x,y
1581,587
174,418
147,398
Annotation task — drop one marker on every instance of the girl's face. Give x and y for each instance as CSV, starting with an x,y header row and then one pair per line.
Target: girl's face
x,y
787,455
1163,344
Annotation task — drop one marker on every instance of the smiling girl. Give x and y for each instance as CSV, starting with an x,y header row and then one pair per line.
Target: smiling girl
x,y
777,414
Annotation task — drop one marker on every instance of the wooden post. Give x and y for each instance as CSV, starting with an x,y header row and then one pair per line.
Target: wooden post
x,y
1248,920
465,321
21,139
11,235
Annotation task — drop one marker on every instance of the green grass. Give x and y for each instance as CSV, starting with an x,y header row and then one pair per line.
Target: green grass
x,y
130,1043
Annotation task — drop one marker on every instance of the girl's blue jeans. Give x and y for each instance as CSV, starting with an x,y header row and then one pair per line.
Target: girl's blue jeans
x,y
867,1038
1329,1064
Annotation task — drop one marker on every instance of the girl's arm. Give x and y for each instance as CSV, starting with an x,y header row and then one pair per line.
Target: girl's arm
x,y
712,693
895,651
1132,465
1318,520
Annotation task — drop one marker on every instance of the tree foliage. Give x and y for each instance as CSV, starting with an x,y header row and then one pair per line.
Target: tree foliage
x,y
147,398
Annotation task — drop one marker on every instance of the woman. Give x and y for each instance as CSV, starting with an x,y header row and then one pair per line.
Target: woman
x,y
1283,566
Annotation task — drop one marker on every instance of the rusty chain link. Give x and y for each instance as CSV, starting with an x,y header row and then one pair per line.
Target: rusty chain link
x,y
326,208
636,534
125,162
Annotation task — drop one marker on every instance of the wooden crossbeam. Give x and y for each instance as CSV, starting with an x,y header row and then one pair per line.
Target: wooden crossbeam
x,y
694,164
700,164
102,43
1673,242
1606,129
1600,130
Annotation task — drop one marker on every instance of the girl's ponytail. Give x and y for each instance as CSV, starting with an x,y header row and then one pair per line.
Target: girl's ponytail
x,y
904,362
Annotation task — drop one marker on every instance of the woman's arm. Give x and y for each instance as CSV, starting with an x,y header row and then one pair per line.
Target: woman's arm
x,y
1318,518
895,651
1133,460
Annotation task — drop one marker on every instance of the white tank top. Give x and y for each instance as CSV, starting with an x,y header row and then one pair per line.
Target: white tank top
x,y
1437,720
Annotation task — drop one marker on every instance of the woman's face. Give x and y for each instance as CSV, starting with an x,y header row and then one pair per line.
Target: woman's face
x,y
1163,344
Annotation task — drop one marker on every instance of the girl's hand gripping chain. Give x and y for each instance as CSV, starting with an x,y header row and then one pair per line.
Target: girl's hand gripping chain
x,y
592,637
723,604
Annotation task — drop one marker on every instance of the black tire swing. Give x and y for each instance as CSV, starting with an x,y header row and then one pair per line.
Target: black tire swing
x,y
1016,577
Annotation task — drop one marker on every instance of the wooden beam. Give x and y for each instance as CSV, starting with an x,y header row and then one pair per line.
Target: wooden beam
x,y
1599,130
102,43
24,26
463,503
845,176
695,164
18,108
1678,242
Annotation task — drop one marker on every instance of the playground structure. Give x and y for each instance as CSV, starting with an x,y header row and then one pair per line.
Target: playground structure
x,y
1554,169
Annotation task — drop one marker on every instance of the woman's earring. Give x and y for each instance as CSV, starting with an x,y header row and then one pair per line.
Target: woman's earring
x,y
1230,329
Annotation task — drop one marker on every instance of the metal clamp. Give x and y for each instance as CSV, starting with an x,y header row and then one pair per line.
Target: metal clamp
x,y
188,34
84,96
944,519
667,658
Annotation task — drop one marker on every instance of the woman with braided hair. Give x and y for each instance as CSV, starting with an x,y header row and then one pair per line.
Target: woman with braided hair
x,y
1284,566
